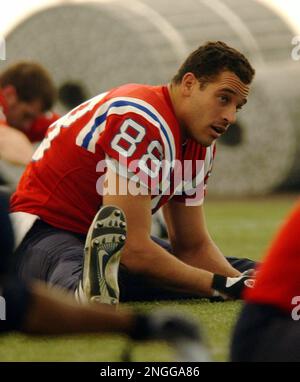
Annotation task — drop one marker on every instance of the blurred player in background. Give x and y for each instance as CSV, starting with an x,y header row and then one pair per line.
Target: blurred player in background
x,y
137,136
268,328
27,93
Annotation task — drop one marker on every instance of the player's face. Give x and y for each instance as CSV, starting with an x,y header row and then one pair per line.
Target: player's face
x,y
22,114
208,112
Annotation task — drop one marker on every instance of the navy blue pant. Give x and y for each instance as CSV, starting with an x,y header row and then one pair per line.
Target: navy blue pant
x,y
56,256
14,295
6,235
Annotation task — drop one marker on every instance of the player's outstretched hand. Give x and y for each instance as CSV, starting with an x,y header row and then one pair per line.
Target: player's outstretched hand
x,y
232,287
164,325
180,332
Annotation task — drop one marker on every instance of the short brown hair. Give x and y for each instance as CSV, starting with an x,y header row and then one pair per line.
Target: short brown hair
x,y
209,60
31,81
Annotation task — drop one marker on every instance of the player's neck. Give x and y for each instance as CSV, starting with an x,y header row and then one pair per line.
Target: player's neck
x,y
175,99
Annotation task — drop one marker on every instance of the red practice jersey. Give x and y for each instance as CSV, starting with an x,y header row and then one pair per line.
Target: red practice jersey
x,y
278,280
134,128
38,129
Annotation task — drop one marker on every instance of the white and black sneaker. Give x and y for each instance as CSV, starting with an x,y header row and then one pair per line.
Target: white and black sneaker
x,y
105,239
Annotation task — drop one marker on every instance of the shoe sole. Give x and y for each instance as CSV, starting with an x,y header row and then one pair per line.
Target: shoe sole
x,y
105,239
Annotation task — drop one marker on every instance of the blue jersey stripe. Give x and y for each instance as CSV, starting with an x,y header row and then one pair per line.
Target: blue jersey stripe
x,y
89,136
99,120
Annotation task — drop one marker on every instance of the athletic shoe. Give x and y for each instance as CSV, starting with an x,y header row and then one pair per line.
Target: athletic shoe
x,y
105,239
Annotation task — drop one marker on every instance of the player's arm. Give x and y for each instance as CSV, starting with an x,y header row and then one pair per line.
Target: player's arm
x,y
191,240
52,312
56,312
15,147
141,255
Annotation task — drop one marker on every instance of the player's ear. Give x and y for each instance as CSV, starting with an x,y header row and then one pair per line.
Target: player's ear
x,y
10,94
188,82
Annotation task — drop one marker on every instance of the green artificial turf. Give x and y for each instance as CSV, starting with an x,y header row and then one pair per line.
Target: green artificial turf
x,y
241,228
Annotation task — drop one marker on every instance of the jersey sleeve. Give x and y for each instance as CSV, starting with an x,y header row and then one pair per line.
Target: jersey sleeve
x,y
196,173
134,148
